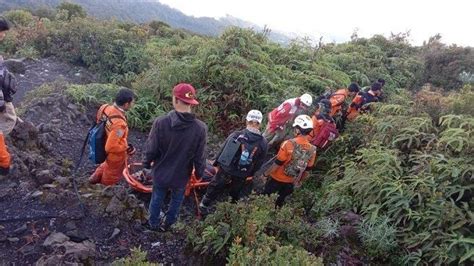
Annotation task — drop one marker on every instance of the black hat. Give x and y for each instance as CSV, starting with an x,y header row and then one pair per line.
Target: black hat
x,y
354,87
376,86
4,25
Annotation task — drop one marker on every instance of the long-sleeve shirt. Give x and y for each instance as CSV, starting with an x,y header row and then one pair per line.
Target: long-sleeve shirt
x,y
176,144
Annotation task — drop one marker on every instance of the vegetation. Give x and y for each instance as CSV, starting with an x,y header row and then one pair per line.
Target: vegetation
x,y
141,11
404,172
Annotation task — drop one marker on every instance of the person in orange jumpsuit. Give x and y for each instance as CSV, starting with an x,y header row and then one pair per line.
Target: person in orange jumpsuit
x,y
359,102
5,159
338,98
116,146
321,117
279,179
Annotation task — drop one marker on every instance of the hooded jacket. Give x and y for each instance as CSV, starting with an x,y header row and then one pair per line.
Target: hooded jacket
x,y
176,144
253,140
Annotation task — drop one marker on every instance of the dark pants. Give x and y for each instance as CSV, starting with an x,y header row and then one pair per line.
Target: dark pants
x,y
283,190
217,184
157,202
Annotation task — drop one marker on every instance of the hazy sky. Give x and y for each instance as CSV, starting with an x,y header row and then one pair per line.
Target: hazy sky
x,y
337,19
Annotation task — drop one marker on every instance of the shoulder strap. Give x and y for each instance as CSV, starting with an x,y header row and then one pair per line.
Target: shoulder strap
x,y
112,116
116,116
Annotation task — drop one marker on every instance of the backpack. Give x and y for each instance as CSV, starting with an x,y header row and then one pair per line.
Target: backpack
x,y
299,160
326,135
97,137
247,153
7,82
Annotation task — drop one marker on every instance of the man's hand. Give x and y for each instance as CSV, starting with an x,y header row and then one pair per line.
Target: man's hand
x,y
131,150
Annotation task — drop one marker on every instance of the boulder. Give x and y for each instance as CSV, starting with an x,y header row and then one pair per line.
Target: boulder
x,y
55,239
25,135
16,66
44,177
115,207
81,251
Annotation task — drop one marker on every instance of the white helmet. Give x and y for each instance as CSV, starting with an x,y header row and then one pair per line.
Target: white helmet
x,y
306,99
254,115
303,121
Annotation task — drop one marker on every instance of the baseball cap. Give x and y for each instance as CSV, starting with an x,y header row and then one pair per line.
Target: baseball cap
x,y
186,93
254,115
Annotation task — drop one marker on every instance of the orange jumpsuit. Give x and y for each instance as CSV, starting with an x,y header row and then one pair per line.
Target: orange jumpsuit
x,y
337,100
353,110
317,124
116,146
4,155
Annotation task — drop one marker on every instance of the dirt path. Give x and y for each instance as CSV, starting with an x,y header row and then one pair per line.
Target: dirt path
x,y
37,202
46,70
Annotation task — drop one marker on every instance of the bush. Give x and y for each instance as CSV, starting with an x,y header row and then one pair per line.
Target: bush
x,y
136,258
142,114
253,225
267,251
378,236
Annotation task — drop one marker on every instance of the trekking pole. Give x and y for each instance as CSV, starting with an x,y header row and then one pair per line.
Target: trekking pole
x,y
74,173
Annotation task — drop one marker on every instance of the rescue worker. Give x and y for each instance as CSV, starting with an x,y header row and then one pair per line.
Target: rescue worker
x,y
8,116
241,156
359,103
339,98
116,146
320,117
294,159
176,144
280,116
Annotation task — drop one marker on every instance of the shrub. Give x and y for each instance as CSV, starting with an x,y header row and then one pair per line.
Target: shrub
x,y
137,257
378,236
247,225
267,251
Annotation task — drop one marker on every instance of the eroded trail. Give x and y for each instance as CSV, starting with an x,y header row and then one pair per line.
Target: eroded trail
x,y
40,217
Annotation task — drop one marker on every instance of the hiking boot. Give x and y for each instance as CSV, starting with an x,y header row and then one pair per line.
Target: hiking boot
x,y
148,227
164,227
93,179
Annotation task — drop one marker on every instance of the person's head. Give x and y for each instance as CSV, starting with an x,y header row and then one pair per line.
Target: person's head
x,y
376,88
381,81
254,118
353,88
4,27
306,100
184,96
125,99
303,125
324,106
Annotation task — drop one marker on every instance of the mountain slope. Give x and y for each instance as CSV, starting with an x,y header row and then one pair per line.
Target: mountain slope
x,y
145,11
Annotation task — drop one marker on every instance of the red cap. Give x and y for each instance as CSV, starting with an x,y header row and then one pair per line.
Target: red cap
x,y
186,93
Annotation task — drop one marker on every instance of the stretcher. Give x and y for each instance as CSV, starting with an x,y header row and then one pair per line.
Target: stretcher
x,y
137,180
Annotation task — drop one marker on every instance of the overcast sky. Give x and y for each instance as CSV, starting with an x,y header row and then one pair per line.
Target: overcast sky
x,y
337,19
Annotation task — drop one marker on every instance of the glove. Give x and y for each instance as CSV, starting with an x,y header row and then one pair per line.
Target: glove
x,y
131,150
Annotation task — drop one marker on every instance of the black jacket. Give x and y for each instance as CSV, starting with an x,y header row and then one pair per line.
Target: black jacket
x,y
253,139
176,143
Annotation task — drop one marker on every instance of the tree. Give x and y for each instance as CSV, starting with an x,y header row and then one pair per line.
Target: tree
x,y
73,10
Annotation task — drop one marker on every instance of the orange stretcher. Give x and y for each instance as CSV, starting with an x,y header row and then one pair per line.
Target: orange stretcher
x,y
139,182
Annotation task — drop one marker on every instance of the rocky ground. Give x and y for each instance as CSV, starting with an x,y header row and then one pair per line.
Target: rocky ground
x,y
41,220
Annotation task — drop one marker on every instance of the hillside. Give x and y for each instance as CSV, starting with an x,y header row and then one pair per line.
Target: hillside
x,y
141,11
396,188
